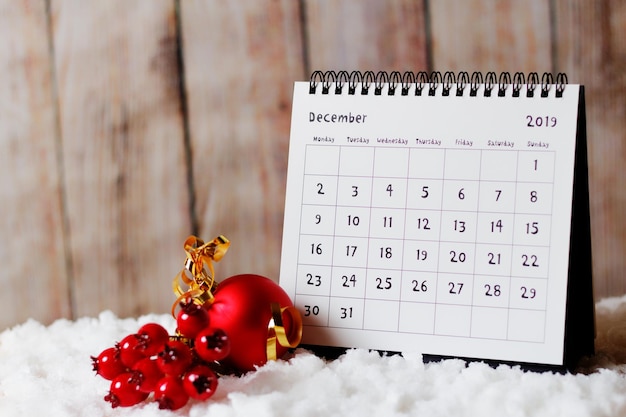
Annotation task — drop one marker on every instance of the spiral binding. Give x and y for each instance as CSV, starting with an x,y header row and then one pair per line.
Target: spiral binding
x,y
424,83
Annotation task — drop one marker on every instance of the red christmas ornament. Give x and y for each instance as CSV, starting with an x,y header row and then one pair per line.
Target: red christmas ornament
x,y
242,307
240,323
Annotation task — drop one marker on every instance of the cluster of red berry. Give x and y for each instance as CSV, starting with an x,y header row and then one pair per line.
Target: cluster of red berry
x,y
174,368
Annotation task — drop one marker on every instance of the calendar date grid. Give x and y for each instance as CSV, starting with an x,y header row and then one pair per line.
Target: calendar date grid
x,y
401,277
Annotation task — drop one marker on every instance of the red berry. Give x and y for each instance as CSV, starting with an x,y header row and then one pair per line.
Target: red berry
x,y
146,374
152,337
170,394
212,344
108,364
191,319
200,382
130,352
124,392
175,358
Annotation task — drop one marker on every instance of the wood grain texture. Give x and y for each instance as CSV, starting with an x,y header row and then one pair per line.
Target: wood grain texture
x,y
33,275
123,151
487,35
241,60
366,35
591,50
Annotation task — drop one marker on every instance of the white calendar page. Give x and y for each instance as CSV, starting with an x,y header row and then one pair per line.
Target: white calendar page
x,y
437,224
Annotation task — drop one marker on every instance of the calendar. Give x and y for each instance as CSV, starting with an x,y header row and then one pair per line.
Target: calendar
x,y
435,214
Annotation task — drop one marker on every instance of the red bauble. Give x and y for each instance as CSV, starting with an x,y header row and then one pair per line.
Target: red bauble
x,y
242,308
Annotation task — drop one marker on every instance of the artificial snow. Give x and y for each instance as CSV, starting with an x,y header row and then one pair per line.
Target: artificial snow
x,y
47,371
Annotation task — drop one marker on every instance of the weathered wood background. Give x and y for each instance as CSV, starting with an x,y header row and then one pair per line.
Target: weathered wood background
x,y
126,125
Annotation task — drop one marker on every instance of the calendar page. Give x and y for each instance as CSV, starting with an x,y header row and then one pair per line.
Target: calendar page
x,y
432,223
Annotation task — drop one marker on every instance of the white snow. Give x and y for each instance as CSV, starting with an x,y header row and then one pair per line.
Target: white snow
x,y
46,371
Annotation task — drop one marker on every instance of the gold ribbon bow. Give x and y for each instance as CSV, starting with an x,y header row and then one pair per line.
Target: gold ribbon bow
x,y
276,333
200,281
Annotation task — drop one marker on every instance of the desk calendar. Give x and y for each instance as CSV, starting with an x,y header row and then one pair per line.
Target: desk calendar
x,y
436,214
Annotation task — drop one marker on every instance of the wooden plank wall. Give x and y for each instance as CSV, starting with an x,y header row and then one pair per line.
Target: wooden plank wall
x,y
127,125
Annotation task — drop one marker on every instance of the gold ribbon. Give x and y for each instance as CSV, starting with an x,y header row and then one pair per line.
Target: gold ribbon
x,y
200,281
276,333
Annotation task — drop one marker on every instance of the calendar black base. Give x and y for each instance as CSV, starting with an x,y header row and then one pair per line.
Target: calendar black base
x,y
332,353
